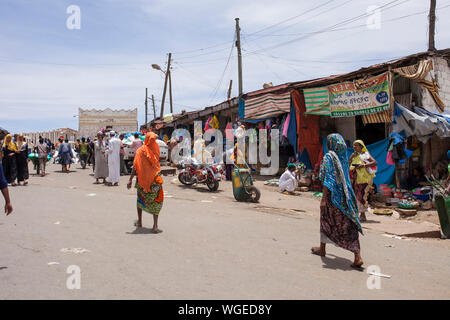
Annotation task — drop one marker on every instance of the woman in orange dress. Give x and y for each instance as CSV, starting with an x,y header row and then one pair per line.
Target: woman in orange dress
x,y
150,194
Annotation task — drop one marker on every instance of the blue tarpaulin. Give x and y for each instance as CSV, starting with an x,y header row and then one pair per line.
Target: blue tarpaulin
x,y
378,151
292,130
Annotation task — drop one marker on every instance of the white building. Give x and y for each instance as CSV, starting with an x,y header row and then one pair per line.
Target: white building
x,y
91,121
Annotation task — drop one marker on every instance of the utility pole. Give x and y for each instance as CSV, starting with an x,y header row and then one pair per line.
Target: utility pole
x,y
229,90
170,90
238,46
146,106
431,27
165,85
154,109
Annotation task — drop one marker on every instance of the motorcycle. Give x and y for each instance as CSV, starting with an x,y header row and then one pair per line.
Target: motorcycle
x,y
193,172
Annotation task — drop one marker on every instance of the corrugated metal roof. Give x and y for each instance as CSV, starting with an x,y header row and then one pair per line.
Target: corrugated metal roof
x,y
373,69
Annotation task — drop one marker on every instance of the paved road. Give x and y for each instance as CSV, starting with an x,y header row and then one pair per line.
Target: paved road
x,y
211,248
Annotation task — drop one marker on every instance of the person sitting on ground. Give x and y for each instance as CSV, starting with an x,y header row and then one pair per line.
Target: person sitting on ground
x,y
416,180
288,181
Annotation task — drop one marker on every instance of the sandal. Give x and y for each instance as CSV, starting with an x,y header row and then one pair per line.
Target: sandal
x,y
137,224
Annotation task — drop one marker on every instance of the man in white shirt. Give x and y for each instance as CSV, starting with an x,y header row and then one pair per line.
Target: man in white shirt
x,y
113,151
288,181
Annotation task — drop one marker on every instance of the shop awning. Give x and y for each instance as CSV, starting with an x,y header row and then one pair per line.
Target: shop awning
x,y
267,106
420,123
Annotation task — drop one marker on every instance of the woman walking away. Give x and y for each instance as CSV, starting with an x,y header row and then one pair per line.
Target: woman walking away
x,y
101,165
339,221
84,152
363,165
9,149
42,150
65,155
22,160
150,194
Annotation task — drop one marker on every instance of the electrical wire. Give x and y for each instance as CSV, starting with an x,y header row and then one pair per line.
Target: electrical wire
x,y
344,22
223,73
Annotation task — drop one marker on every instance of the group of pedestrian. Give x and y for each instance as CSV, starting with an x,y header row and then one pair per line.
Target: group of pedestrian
x,y
15,160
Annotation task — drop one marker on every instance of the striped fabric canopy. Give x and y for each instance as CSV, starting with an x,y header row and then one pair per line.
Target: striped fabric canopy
x,y
267,106
317,101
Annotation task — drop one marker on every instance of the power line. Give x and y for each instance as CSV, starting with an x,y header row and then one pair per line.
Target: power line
x,y
289,19
223,73
308,18
353,27
347,21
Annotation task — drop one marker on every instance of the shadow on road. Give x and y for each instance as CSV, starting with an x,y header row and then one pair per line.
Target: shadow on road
x,y
199,188
59,171
338,263
144,230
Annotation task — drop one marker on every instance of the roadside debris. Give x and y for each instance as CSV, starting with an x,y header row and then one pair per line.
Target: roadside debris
x,y
91,194
57,222
392,236
52,263
74,250
380,275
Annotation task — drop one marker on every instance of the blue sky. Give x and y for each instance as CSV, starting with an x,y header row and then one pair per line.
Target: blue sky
x,y
48,71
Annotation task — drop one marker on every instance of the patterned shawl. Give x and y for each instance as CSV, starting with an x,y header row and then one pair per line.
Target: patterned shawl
x,y
334,174
146,162
11,145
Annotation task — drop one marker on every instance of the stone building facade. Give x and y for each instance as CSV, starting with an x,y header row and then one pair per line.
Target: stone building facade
x,y
90,121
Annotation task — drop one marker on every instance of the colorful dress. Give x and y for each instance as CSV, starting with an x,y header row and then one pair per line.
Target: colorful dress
x,y
364,177
150,193
339,220
146,200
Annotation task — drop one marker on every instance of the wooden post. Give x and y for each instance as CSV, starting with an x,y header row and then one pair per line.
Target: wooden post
x,y
170,90
165,85
238,47
431,26
146,106
154,108
229,90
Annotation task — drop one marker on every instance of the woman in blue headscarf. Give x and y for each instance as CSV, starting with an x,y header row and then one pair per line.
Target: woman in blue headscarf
x,y
339,217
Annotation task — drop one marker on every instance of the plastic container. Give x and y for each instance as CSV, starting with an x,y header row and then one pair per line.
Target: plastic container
x,y
387,191
422,197
381,188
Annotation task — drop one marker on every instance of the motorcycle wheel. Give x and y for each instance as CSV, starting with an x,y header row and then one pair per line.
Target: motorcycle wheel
x,y
183,180
254,193
212,184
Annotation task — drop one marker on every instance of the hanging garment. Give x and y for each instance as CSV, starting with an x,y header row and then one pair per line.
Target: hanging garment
x,y
389,159
292,130
286,125
307,128
214,123
207,126
229,132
